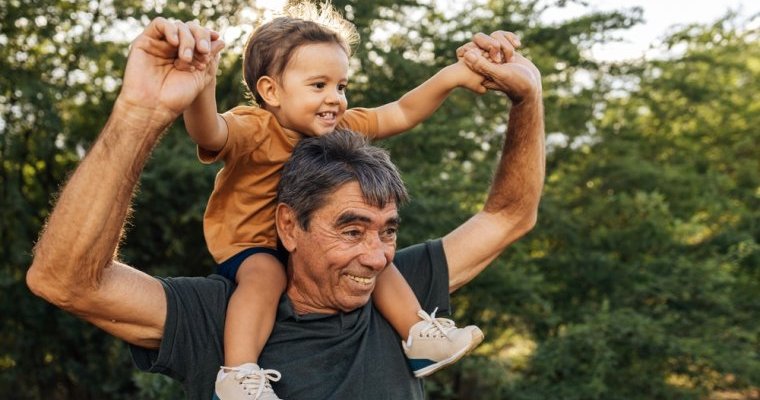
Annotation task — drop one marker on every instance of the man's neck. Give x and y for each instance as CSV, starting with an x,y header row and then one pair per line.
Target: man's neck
x,y
304,304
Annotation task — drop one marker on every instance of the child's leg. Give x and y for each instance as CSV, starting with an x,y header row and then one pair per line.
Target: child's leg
x,y
252,308
429,343
396,301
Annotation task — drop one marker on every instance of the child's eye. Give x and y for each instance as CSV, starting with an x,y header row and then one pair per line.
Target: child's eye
x,y
319,85
342,87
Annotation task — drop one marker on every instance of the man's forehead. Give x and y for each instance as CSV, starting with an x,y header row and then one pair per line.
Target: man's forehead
x,y
349,201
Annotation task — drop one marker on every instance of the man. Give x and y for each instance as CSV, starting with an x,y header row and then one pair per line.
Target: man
x,y
326,325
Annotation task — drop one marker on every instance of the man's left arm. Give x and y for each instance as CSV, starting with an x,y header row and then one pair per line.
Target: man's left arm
x,y
511,208
74,266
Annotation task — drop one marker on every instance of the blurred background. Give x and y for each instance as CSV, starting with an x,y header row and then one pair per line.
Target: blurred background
x,y
640,281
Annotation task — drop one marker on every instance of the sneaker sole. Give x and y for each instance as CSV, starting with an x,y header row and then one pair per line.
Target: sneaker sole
x,y
477,337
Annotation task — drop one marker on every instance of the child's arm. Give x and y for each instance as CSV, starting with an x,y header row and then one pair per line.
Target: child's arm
x,y
205,127
420,103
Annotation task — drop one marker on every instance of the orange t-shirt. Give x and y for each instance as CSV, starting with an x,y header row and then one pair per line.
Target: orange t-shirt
x,y
240,211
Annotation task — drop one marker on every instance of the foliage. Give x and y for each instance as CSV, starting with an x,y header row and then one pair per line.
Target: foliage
x,y
639,282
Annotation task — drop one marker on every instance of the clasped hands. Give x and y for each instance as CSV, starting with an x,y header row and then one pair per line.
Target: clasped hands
x,y
171,62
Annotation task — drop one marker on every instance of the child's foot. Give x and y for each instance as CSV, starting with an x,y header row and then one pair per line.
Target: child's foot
x,y
246,382
435,343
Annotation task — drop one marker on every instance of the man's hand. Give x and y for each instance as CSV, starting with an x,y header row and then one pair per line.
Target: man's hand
x,y
168,66
503,68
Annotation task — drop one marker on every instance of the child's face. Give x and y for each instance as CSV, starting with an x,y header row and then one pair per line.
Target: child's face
x,y
312,89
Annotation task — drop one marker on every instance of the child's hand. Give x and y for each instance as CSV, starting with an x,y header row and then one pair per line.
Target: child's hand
x,y
467,78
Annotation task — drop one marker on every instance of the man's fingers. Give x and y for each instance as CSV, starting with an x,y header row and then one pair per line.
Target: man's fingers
x,y
488,44
186,42
161,28
512,38
463,49
500,45
201,35
505,45
216,45
477,62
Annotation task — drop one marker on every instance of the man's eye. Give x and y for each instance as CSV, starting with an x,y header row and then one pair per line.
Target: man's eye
x,y
390,233
352,233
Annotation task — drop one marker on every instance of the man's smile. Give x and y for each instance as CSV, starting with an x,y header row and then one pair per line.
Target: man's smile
x,y
361,279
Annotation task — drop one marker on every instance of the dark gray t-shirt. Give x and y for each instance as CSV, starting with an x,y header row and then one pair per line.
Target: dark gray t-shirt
x,y
355,355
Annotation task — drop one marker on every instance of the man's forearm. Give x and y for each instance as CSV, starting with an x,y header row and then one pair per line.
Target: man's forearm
x,y
84,230
512,204
519,177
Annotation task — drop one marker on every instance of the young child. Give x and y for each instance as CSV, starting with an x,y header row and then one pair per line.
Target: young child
x,y
296,67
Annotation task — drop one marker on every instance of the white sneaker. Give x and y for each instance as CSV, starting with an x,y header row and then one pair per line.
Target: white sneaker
x,y
246,382
435,343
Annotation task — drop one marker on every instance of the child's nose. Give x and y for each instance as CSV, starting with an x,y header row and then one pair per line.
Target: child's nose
x,y
332,97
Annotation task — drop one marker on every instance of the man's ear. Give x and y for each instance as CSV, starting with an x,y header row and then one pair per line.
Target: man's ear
x,y
287,226
267,88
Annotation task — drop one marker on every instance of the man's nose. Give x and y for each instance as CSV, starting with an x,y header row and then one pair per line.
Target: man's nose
x,y
375,254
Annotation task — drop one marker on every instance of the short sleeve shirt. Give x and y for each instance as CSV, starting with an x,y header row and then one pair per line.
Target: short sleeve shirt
x,y
355,355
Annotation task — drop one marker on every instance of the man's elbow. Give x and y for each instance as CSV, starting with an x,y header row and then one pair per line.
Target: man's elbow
x,y
521,219
528,223
49,287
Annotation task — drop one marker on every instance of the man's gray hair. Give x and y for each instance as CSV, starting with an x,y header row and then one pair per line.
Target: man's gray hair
x,y
320,165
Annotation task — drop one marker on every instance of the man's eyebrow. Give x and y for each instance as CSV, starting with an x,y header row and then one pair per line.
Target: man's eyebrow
x,y
350,218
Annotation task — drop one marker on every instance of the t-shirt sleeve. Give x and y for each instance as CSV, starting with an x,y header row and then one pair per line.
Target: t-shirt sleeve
x,y
424,267
191,349
360,120
246,129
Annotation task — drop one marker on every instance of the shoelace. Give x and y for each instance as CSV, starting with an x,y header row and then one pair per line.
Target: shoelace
x,y
437,325
258,380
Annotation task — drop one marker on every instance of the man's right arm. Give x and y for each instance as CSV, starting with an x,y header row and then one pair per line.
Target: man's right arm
x,y
511,208
73,265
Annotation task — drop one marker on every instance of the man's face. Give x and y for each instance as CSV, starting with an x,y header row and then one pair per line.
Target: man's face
x,y
335,263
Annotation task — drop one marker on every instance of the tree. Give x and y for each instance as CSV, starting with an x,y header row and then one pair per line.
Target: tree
x,y
647,249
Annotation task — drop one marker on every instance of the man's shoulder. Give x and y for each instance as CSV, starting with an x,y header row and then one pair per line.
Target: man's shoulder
x,y
198,287
429,253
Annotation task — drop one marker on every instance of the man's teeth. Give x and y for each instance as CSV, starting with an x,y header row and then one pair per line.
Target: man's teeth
x,y
360,279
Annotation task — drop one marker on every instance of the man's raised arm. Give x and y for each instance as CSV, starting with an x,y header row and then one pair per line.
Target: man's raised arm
x,y
73,265
511,208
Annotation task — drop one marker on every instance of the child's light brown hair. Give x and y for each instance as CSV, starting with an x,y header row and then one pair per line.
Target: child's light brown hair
x,y
270,47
